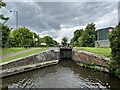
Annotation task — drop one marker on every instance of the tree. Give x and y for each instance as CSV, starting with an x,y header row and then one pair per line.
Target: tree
x,y
78,33
49,41
2,4
89,36
55,42
5,31
80,41
114,38
85,37
22,37
64,41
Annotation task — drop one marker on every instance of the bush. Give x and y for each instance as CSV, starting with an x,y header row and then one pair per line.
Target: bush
x,y
114,38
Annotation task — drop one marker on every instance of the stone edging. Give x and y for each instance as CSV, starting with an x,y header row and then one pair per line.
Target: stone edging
x,y
13,71
84,61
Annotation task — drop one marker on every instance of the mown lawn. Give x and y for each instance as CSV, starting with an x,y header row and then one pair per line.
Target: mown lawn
x,y
10,50
35,50
101,51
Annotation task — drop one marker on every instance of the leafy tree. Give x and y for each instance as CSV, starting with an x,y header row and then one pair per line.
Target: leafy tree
x,y
75,43
114,38
4,29
89,36
55,42
49,41
22,37
4,32
80,41
85,37
11,42
64,41
2,4
78,33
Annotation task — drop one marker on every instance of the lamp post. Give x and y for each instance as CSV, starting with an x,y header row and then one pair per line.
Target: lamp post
x,y
16,12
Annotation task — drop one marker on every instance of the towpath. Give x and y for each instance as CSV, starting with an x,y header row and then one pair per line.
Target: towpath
x,y
16,53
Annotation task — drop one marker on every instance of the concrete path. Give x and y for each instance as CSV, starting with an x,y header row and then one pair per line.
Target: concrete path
x,y
16,53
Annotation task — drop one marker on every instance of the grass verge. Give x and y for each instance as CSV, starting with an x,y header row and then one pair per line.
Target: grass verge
x,y
101,51
10,50
36,50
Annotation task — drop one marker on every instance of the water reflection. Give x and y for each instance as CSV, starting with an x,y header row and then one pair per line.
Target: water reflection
x,y
64,75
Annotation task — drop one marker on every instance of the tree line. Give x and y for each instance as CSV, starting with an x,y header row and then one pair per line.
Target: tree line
x,y
85,37
23,37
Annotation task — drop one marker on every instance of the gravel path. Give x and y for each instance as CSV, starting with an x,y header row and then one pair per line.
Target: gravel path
x,y
14,54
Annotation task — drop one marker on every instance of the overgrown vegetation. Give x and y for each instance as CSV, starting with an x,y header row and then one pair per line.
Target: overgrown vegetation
x,y
114,38
87,65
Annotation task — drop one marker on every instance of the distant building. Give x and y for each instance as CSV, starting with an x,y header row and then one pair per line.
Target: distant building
x,y
43,44
102,37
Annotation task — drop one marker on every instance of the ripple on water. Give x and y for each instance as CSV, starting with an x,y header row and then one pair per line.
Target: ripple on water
x,y
64,75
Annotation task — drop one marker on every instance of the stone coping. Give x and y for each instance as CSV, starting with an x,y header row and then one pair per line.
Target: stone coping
x,y
12,71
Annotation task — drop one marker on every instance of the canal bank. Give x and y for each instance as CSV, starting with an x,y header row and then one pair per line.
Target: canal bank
x,y
31,62
62,73
52,57
87,59
91,60
65,74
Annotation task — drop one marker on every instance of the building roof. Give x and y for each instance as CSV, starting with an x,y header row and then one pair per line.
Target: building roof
x,y
105,28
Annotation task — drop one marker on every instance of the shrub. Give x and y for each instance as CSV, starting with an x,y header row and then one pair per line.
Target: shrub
x,y
114,38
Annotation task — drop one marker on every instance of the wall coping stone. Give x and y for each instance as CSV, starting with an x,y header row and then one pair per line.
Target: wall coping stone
x,y
12,71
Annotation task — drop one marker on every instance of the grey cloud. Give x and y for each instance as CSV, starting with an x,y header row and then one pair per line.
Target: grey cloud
x,y
46,16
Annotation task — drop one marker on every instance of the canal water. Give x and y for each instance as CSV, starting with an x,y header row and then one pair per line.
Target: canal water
x,y
64,75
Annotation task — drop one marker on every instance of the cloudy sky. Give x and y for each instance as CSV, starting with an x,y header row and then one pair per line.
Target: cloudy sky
x,y
59,19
